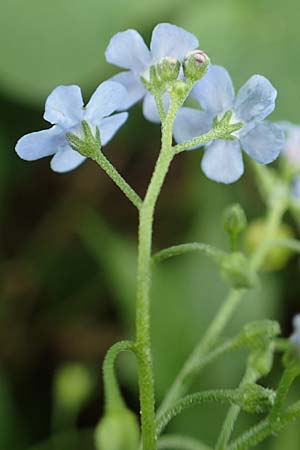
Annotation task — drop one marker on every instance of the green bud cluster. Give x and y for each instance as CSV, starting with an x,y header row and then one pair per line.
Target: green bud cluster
x,y
118,430
253,398
163,76
258,334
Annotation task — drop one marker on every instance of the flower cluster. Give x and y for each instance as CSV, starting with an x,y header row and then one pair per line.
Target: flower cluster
x,y
172,57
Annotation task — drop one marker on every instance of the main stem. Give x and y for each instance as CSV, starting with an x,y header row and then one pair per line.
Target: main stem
x,y
143,339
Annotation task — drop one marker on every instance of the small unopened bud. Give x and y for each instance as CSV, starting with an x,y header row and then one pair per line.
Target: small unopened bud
x,y
118,430
234,222
256,335
234,219
168,69
255,399
195,65
236,270
278,256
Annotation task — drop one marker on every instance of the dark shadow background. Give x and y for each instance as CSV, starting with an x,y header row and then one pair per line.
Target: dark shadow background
x,y
68,242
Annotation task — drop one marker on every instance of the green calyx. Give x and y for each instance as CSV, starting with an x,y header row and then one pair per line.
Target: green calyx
x,y
225,127
258,334
88,144
117,430
168,69
253,398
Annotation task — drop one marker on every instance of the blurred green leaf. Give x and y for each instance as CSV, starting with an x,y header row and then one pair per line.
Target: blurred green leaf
x,y
43,44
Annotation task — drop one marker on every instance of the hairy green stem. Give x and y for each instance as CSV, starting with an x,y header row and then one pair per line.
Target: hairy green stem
x,y
182,249
287,379
145,371
113,397
112,172
218,395
250,376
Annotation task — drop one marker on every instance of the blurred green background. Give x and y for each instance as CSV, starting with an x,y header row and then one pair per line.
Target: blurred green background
x,y
68,242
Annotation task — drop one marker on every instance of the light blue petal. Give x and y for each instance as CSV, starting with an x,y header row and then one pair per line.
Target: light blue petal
x,y
190,123
223,162
108,97
135,88
150,109
255,101
110,125
264,142
40,144
66,159
170,40
215,91
64,106
127,49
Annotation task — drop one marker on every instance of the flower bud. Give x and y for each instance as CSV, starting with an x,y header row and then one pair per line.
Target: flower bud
x,y
118,430
234,220
236,270
256,335
277,257
168,69
255,399
195,65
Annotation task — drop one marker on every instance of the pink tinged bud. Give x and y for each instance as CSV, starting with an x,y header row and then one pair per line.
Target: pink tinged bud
x,y
198,56
195,65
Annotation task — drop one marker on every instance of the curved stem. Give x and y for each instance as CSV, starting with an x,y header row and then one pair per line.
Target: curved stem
x,y
176,442
177,250
218,395
113,397
112,172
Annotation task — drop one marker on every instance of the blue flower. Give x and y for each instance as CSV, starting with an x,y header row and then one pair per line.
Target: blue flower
x,y
128,50
263,141
65,110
